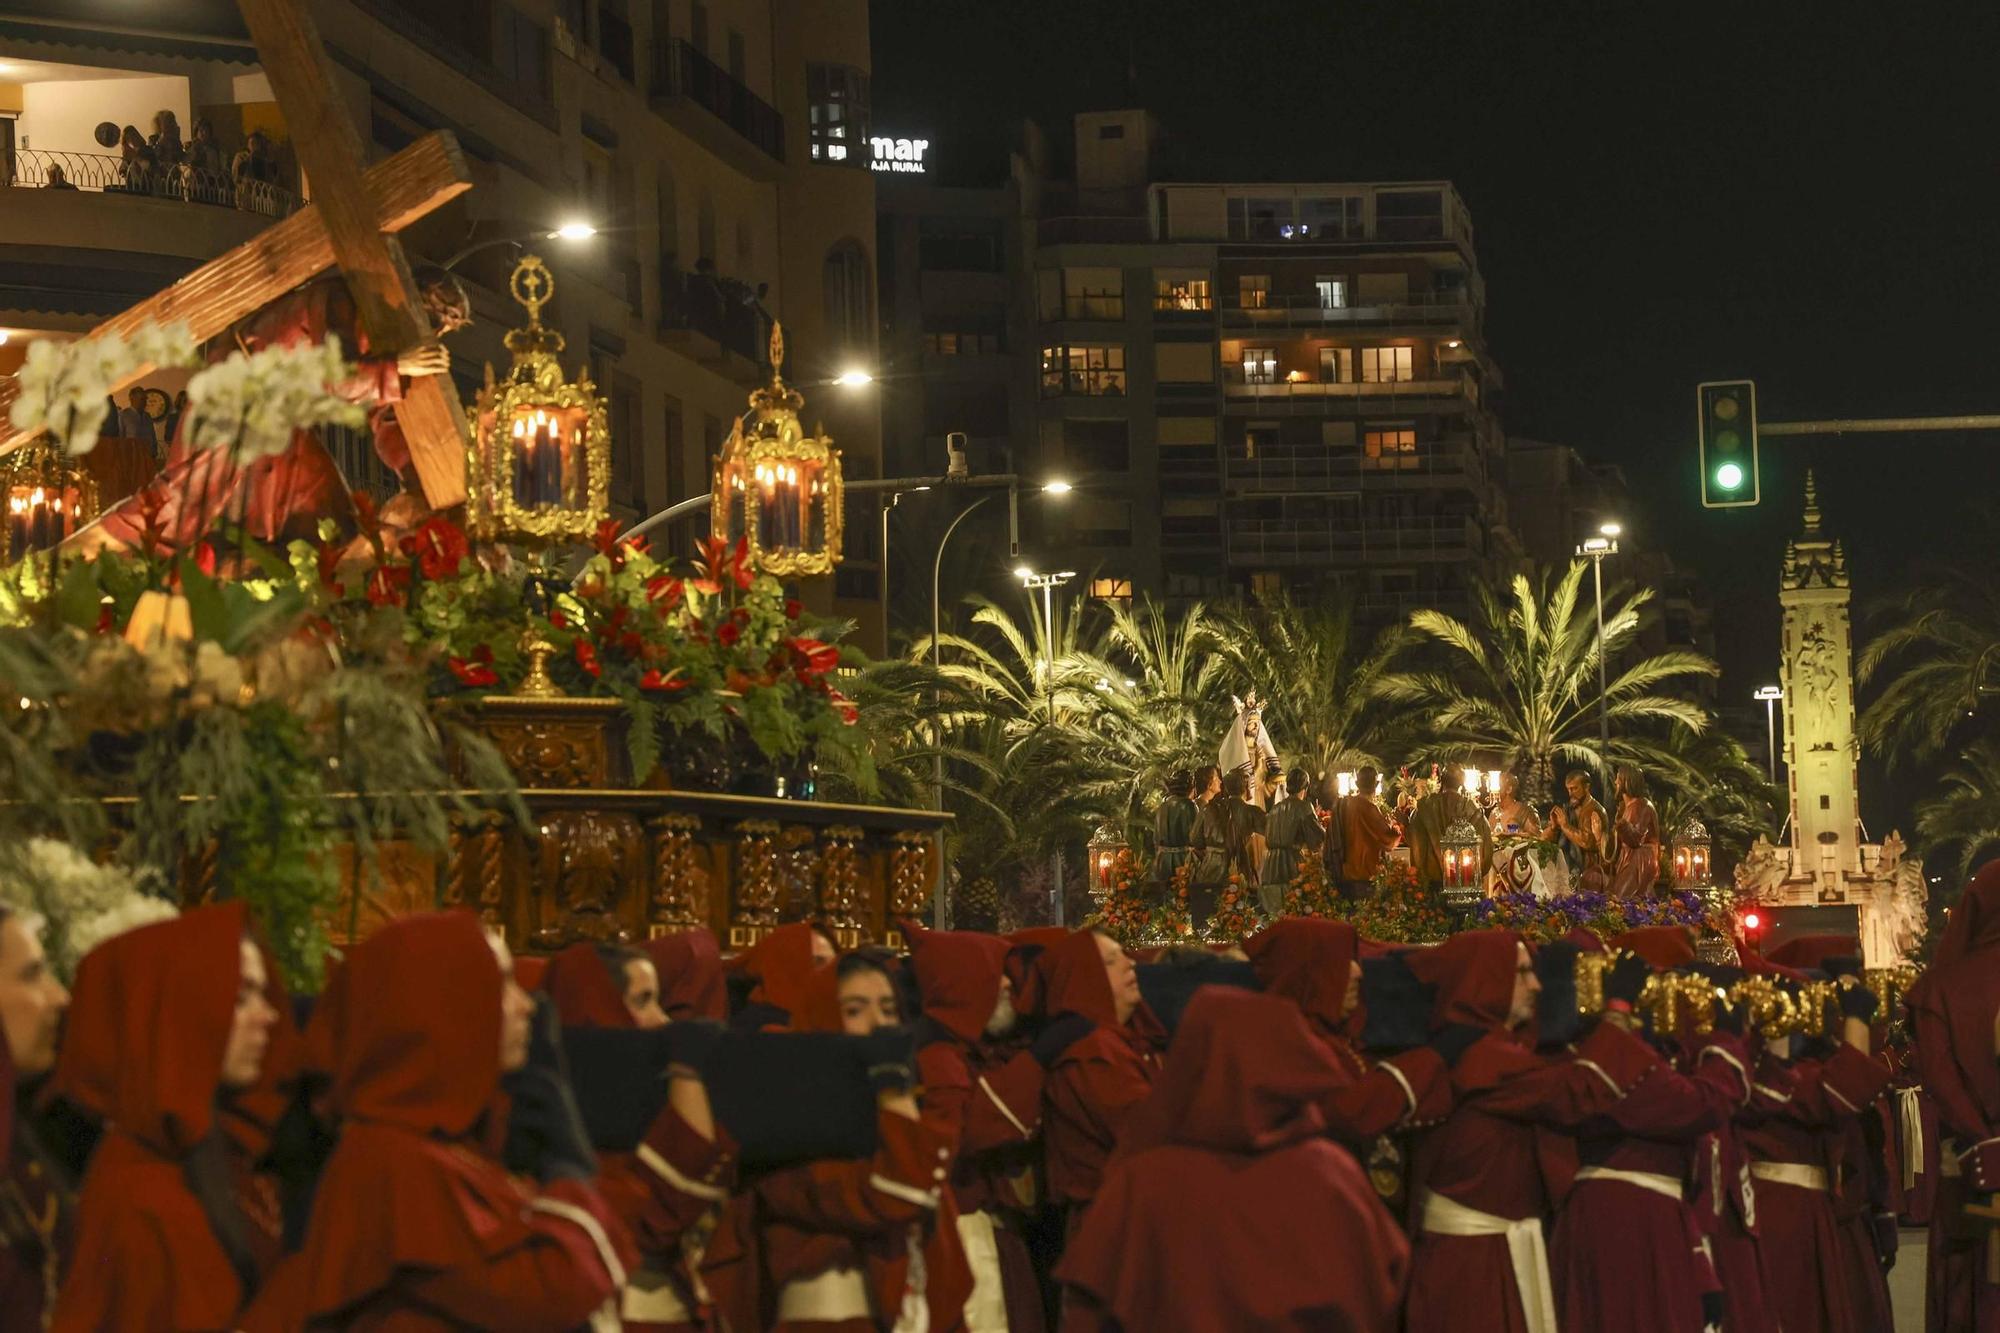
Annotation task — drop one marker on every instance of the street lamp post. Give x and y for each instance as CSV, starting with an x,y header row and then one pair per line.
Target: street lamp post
x,y
1605,543
1770,694
1046,670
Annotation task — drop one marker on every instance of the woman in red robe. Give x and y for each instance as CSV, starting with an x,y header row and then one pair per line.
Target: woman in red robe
x,y
1225,1205
1102,1051
784,963
167,1040
1628,1251
1315,964
416,1224
848,1246
692,984
1956,1009
1480,1261
679,1173
984,1093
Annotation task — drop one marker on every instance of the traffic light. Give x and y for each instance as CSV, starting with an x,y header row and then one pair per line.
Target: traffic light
x,y
1726,418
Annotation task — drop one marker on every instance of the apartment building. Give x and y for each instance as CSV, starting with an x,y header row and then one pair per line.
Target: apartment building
x,y
1264,386
715,144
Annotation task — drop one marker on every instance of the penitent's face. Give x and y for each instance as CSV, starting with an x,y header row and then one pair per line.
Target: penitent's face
x,y
250,1026
1527,987
867,1002
32,1001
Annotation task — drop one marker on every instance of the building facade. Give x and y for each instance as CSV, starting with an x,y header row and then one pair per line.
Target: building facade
x,y
1258,387
706,140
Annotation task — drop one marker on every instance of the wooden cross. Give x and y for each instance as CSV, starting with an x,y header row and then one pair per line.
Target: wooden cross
x,y
351,223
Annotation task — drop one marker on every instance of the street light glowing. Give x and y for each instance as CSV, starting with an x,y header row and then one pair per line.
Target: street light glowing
x,y
1596,545
1023,572
573,231
854,378
1729,476
1612,530
1766,693
1058,488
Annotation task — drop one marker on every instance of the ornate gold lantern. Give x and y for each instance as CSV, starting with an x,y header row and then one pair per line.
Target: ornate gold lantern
x,y
777,488
1104,847
539,470
1459,849
1690,855
49,496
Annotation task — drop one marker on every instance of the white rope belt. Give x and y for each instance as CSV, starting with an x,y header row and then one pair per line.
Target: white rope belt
x,y
1791,1173
651,1299
838,1293
1910,1120
1530,1258
986,1307
1664,1186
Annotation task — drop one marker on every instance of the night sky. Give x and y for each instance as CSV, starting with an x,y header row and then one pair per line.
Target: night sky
x,y
1801,194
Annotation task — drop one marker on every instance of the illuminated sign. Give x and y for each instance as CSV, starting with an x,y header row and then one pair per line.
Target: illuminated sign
x,y
889,154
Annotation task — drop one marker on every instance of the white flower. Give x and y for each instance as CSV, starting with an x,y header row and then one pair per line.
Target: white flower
x,y
81,903
62,387
251,403
136,910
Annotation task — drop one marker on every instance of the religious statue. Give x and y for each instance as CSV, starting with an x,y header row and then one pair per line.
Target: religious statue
x,y
1247,747
284,498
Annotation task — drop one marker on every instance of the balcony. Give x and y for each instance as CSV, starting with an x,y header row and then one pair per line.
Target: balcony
x,y
1310,311
1276,542
1390,396
1448,462
105,173
716,321
685,79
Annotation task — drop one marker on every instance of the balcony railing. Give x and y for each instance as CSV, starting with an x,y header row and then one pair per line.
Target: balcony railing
x,y
1308,467
723,309
679,70
1275,310
1318,393
1282,541
102,173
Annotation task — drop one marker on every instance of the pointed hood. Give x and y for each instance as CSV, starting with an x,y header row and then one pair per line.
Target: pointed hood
x,y
691,979
583,990
1074,981
783,964
1474,976
1307,961
414,1026
1663,947
149,1021
958,975
1804,951
1244,1075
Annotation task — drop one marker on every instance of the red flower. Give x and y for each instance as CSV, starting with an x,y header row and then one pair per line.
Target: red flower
x,y
329,562
814,658
849,712
794,608
724,563
107,620
728,634
586,657
737,681
388,584
666,682
665,592
558,619
204,558
472,673
438,546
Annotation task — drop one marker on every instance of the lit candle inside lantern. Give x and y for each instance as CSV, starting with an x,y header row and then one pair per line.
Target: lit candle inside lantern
x,y
38,518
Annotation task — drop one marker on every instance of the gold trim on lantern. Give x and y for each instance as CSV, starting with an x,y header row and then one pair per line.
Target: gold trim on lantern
x,y
768,450
536,403
35,470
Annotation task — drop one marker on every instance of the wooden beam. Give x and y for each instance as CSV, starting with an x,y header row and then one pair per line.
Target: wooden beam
x,y
401,189
385,295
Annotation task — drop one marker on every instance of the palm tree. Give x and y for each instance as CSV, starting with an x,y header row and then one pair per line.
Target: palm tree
x,y
1321,688
1936,659
1523,684
1966,814
1714,779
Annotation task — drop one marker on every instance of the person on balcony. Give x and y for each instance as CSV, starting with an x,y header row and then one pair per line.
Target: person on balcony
x,y
135,423
58,178
135,168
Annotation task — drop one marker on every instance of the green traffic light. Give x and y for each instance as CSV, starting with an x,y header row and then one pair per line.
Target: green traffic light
x,y
1729,476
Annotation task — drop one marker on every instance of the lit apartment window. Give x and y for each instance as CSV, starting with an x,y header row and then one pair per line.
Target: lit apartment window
x,y
1260,365
1386,365
1094,369
1253,291
960,343
1267,584
1332,293
1390,447
1336,365
837,114
1112,589
1181,290
1260,438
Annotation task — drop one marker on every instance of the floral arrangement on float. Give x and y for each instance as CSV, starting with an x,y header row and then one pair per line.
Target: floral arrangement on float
x,y
1309,894
78,902
1124,910
1553,917
1237,915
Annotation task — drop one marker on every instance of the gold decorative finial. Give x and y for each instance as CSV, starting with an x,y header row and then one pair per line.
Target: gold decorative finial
x,y
1812,504
777,350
